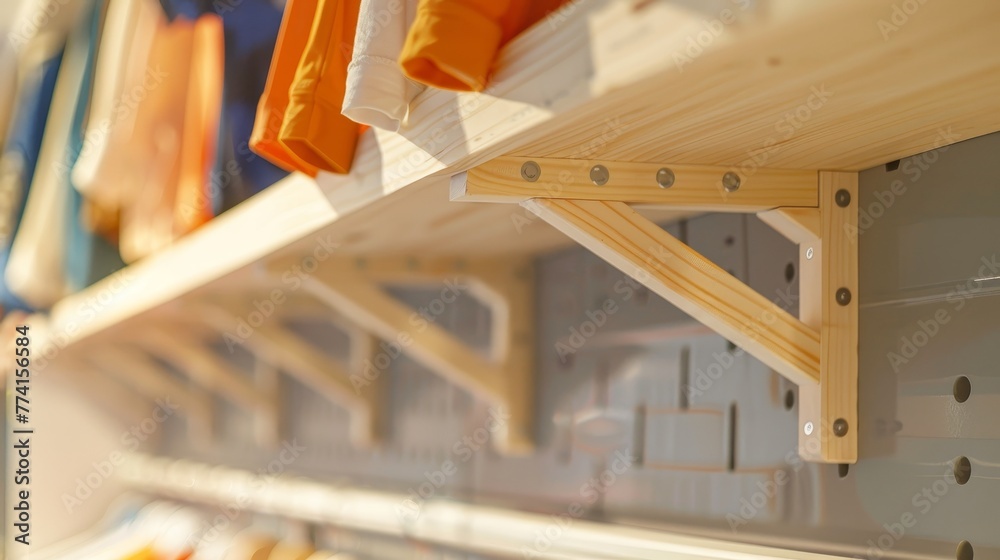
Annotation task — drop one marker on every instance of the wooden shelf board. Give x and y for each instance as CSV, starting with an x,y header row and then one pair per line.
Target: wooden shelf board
x,y
600,80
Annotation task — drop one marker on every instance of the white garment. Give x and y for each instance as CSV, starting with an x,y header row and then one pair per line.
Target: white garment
x,y
126,38
36,269
39,27
378,94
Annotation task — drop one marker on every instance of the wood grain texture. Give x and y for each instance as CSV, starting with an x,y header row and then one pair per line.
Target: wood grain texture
x,y
696,187
798,225
800,230
641,249
788,84
791,85
839,334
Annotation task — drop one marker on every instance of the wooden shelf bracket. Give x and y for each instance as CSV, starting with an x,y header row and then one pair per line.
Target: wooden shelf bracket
x,y
589,202
503,376
149,379
216,375
275,344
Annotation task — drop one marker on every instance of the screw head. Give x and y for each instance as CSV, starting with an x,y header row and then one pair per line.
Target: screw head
x,y
731,182
665,177
962,389
843,296
842,198
809,253
808,428
964,551
530,171
599,175
962,469
840,427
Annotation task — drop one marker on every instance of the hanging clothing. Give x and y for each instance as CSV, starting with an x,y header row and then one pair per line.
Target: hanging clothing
x,y
292,38
314,128
17,167
378,93
157,531
250,29
88,257
193,206
36,267
105,173
452,44
147,219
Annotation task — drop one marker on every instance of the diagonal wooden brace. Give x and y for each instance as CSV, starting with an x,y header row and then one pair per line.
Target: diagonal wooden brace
x,y
213,373
127,405
275,344
589,201
504,378
148,378
679,274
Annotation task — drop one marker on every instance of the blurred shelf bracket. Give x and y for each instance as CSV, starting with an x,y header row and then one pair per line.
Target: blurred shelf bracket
x,y
190,355
504,377
350,385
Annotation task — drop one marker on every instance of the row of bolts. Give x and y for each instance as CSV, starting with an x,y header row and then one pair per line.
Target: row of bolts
x,y
599,175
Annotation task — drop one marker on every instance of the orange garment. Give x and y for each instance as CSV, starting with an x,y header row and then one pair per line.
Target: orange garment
x,y
313,128
193,206
292,38
102,220
452,43
147,223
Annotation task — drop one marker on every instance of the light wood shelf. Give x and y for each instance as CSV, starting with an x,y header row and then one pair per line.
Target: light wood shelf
x,y
786,85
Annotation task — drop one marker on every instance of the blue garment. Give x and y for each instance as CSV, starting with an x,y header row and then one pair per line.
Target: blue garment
x,y
250,28
24,140
89,257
